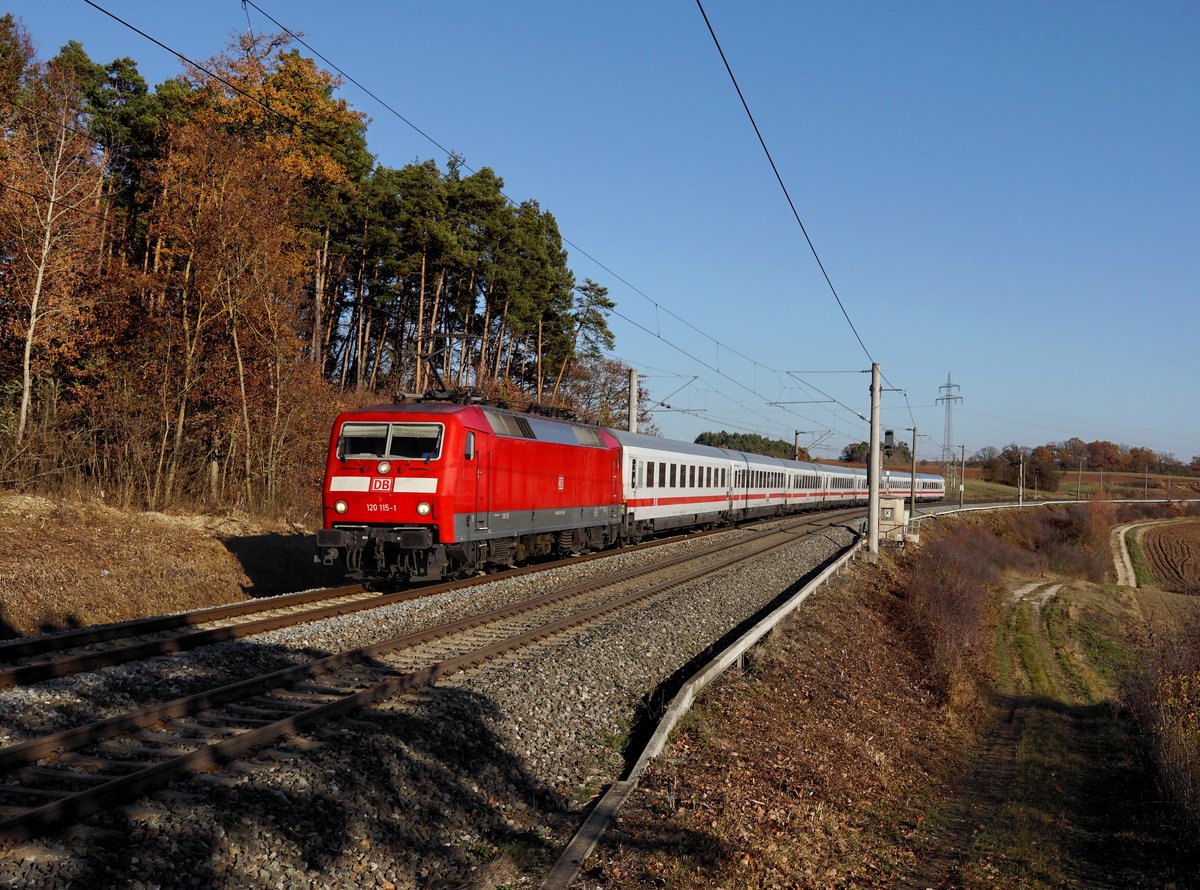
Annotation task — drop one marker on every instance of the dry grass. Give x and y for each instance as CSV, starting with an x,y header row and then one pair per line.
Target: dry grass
x,y
812,769
70,564
1163,691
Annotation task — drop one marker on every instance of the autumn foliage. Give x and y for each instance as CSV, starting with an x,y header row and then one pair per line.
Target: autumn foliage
x,y
195,279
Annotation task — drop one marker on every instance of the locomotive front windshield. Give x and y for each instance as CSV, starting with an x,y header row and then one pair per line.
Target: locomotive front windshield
x,y
396,441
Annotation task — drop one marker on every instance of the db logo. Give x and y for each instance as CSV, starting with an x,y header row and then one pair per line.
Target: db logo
x,y
381,485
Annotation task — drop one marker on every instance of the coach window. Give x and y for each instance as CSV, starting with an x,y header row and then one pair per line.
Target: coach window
x,y
633,473
649,474
662,475
674,467
691,477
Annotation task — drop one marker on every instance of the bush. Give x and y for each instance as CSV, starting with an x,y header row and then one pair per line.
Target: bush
x,y
954,578
1164,697
950,597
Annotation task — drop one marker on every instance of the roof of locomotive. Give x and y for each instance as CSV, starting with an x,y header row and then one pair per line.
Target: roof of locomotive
x,y
413,408
532,427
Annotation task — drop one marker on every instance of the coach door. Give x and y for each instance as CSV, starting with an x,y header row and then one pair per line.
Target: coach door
x,y
479,457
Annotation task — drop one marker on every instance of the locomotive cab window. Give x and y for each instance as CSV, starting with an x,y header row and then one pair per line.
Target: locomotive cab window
x,y
416,441
403,441
363,441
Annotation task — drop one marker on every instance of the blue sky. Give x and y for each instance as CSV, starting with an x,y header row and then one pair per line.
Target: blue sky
x,y
1005,192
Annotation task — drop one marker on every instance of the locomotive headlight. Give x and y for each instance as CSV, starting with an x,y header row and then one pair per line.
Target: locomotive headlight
x,y
340,507
384,467
423,508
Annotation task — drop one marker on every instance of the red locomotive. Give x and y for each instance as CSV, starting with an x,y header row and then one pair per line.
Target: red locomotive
x,y
429,490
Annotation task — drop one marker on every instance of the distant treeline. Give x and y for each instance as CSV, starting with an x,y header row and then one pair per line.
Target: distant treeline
x,y
195,278
1050,462
753,443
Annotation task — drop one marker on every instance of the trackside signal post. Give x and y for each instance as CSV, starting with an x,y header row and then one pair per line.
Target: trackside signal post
x,y
873,467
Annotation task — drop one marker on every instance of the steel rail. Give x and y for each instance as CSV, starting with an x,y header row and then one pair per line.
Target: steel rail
x,y
78,805
66,740
194,637
11,650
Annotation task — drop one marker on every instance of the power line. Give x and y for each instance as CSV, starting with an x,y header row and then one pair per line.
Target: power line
x,y
718,371
577,248
779,179
301,126
786,194
316,53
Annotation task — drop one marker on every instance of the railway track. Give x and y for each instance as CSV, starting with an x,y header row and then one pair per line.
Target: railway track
x,y
33,660
58,779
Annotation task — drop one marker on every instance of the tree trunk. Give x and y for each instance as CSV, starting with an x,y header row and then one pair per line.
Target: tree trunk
x,y
420,334
27,355
318,329
481,375
500,341
241,370
538,369
432,337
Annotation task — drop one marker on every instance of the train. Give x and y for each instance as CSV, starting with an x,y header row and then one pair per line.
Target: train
x,y
426,490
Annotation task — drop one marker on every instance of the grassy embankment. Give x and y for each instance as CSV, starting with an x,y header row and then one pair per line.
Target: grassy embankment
x,y
957,717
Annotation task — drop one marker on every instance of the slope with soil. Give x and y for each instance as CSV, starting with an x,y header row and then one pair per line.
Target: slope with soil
x,y
832,762
71,564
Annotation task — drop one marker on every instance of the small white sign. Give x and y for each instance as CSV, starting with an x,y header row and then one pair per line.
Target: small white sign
x,y
560,483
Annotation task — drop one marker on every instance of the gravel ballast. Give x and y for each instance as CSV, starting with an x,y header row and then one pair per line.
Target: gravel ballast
x,y
478,780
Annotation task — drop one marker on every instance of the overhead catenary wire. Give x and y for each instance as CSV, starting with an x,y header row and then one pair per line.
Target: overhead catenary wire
x,y
779,178
769,423
783,187
308,130
716,370
577,248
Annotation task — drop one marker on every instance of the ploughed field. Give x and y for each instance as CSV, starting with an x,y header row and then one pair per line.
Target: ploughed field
x,y
1173,554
